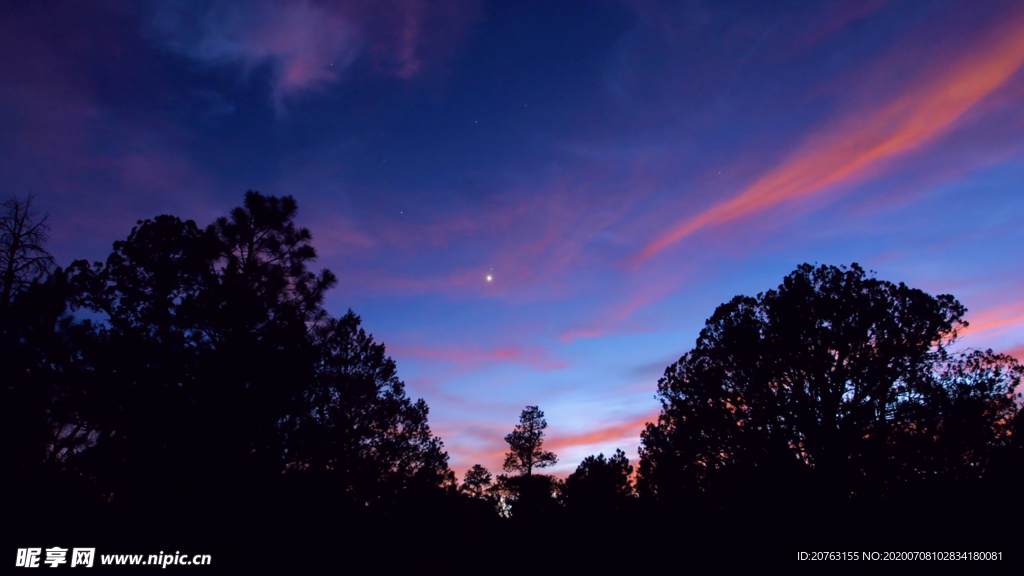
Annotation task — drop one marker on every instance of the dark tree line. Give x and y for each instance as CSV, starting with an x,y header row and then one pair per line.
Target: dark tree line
x,y
193,383
836,409
195,373
216,359
840,404
838,379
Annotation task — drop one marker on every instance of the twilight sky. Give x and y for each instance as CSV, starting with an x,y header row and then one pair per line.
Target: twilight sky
x,y
619,169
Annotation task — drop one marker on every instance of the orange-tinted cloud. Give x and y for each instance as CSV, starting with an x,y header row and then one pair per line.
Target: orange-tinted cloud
x,y
996,320
857,147
630,430
478,443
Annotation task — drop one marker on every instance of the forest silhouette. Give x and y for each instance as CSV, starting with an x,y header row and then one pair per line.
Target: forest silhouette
x,y
192,391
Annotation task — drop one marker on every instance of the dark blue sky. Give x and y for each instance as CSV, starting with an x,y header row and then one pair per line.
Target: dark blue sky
x,y
618,168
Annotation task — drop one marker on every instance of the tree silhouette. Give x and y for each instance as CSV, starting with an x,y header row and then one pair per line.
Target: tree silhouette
x,y
152,281
264,260
530,494
967,418
476,482
43,358
217,368
155,364
23,259
526,444
600,484
835,380
357,426
41,362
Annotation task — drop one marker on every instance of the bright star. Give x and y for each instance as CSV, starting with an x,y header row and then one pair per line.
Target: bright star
x,y
489,277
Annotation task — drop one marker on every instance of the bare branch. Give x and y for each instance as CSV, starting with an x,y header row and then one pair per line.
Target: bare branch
x,y
23,259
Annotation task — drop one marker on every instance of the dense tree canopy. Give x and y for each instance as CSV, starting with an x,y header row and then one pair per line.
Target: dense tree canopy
x,y
834,374
476,481
264,261
356,424
215,363
600,484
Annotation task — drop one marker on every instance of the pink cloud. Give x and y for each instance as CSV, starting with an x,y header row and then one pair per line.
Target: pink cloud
x,y
861,145
624,430
996,320
479,443
307,45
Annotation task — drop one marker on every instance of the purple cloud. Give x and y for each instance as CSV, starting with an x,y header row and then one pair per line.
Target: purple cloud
x,y
308,45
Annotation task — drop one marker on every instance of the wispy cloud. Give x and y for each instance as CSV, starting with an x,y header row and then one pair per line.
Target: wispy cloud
x,y
624,430
835,16
860,145
97,169
618,313
469,356
309,45
996,320
306,45
531,240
